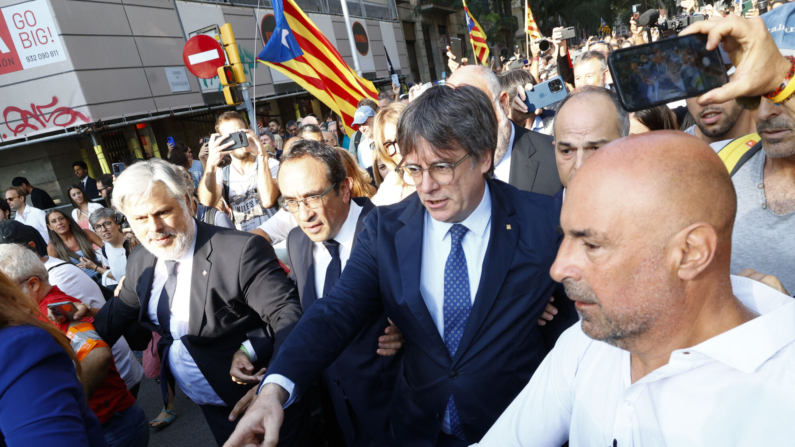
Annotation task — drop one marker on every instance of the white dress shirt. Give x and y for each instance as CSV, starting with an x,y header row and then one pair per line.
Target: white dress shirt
x,y
186,373
502,170
35,218
345,237
735,389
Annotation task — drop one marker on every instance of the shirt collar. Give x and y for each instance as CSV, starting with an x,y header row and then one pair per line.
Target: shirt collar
x,y
751,344
475,222
348,230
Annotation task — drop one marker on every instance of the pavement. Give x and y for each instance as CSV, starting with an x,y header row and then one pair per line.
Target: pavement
x,y
189,429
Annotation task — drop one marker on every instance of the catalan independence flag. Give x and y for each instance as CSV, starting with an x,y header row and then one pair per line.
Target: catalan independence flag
x,y
477,38
300,51
532,28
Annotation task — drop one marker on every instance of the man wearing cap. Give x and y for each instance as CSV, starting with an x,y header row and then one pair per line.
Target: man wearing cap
x,y
363,122
38,197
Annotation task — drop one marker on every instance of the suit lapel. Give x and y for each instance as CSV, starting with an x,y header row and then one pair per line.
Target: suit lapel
x,y
309,294
200,276
523,168
144,286
497,262
408,244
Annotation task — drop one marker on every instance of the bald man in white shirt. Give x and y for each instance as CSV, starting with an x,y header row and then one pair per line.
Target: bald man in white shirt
x,y
671,350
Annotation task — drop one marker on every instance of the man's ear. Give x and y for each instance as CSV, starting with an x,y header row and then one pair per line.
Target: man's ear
x,y
695,250
505,103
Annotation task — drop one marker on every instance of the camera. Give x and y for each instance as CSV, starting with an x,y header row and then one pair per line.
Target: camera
x,y
680,23
555,85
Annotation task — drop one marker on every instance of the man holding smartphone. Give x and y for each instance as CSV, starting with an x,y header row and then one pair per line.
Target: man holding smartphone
x,y
248,184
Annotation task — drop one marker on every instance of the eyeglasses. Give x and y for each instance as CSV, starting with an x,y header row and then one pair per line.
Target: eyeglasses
x,y
441,173
391,147
106,225
330,142
11,199
310,202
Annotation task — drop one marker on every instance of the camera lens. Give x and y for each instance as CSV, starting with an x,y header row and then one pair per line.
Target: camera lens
x,y
555,86
543,45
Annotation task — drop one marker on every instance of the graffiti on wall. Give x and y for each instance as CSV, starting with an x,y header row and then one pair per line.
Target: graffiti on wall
x,y
39,117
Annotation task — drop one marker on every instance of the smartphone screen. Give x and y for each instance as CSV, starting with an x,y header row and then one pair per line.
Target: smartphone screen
x,y
665,71
117,168
63,309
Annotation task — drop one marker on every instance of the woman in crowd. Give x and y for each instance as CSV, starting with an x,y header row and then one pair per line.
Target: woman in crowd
x,y
392,188
42,402
106,223
655,118
83,206
71,243
362,183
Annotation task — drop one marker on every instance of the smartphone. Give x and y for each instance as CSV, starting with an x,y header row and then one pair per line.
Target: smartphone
x,y
666,71
455,48
761,6
747,6
545,94
170,141
395,80
568,33
64,309
117,168
636,12
240,139
204,141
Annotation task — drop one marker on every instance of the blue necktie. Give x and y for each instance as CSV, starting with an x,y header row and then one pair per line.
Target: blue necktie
x,y
457,304
334,268
164,319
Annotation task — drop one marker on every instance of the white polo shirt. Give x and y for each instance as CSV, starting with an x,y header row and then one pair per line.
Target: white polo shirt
x,y
735,389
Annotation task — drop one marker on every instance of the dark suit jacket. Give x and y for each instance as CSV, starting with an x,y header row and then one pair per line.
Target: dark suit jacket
x,y
91,188
359,374
238,291
502,344
533,166
41,200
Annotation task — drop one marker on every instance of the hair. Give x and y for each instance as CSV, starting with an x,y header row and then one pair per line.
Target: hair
x,y
82,164
274,120
361,179
290,124
590,55
491,80
513,81
623,115
229,115
69,194
137,182
19,263
444,117
657,118
19,190
309,128
331,116
19,310
278,142
335,169
64,253
387,96
102,213
369,103
19,181
4,208
388,114
178,157
268,133
106,180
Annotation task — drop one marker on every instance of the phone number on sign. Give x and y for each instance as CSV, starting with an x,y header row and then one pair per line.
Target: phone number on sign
x,y
42,56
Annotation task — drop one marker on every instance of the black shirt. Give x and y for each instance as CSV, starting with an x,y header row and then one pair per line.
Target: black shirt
x,y
41,200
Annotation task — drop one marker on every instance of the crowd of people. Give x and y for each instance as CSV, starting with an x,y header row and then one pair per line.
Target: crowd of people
x,y
459,270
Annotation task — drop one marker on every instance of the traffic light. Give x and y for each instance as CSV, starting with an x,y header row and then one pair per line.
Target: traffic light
x,y
233,74
232,92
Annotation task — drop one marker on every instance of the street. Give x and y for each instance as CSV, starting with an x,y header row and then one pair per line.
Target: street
x,y
189,429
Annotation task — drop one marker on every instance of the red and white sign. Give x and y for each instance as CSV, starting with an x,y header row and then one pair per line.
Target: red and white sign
x,y
28,37
203,56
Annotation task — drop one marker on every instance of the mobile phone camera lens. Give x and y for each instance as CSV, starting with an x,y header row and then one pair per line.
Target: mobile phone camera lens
x,y
555,86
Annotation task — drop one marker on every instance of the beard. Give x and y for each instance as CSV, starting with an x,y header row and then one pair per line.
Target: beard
x,y
504,128
180,245
730,119
778,147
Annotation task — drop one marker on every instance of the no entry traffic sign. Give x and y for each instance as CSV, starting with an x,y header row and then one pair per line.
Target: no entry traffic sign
x,y
203,56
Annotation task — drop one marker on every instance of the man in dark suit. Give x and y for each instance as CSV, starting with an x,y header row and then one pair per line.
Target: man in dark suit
x,y
38,197
522,158
208,291
89,184
462,268
359,384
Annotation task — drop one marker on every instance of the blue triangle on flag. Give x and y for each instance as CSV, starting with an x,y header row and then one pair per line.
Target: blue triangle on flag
x,y
282,45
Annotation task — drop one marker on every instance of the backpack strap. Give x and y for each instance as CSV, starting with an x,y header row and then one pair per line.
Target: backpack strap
x,y
735,154
59,265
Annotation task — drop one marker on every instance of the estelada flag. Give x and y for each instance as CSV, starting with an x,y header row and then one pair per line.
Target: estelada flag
x,y
299,50
532,28
477,38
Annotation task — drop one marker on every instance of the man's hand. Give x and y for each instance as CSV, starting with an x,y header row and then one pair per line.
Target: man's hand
x,y
451,63
118,287
549,313
760,67
518,101
242,405
262,421
255,147
242,369
390,343
216,149
534,49
768,280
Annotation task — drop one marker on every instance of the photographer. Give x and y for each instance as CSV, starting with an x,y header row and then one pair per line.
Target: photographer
x,y
107,224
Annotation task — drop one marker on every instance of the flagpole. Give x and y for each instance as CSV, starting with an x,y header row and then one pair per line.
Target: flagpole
x,y
526,37
350,37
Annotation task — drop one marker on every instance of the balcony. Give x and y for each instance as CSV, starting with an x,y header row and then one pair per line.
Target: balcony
x,y
445,7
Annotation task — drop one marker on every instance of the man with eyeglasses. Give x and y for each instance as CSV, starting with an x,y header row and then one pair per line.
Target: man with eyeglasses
x,y
461,267
329,139
358,386
27,214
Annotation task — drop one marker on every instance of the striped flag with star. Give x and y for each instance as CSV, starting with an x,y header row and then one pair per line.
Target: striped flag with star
x,y
532,28
299,50
477,38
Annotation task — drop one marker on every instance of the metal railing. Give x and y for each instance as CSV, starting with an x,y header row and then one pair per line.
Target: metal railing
x,y
368,9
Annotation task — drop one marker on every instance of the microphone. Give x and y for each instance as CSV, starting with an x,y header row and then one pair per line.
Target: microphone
x,y
649,17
